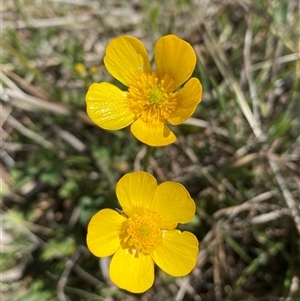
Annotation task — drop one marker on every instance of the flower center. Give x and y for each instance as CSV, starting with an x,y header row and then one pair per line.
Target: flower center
x,y
151,99
140,233
156,96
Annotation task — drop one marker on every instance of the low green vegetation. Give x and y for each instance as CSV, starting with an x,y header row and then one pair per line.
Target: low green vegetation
x,y
238,155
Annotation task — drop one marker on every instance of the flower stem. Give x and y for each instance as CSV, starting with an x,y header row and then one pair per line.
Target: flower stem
x,y
147,157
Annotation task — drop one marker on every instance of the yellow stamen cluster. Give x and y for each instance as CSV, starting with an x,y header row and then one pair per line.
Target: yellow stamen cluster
x,y
140,234
152,99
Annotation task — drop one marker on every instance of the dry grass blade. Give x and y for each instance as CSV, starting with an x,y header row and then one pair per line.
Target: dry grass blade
x,y
227,73
205,124
224,67
247,60
293,57
28,133
232,212
25,101
290,201
270,216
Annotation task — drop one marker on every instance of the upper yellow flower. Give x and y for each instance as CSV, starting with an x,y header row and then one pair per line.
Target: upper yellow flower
x,y
144,232
153,97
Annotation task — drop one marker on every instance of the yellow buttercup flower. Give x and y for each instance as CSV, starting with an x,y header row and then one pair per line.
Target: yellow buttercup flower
x,y
153,97
79,68
144,232
94,69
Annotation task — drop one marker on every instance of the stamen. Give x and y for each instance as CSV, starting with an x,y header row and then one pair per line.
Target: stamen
x,y
140,233
152,100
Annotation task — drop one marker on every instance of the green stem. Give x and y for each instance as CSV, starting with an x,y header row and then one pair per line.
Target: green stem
x,y
147,157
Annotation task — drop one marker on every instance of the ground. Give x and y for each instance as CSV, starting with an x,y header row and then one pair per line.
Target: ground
x,y
238,155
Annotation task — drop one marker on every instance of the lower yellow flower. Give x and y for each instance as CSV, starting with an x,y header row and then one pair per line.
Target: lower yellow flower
x,y
144,232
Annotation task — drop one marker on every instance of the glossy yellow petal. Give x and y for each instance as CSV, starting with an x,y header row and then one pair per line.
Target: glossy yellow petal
x,y
187,100
130,273
174,204
178,254
175,57
103,232
107,106
136,190
125,58
153,135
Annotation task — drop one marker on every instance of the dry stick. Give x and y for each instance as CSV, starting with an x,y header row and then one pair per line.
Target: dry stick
x,y
217,265
185,287
6,147
22,83
9,161
247,60
279,60
70,139
84,295
294,288
228,75
28,228
51,22
274,71
14,274
160,174
8,82
27,102
64,276
280,43
205,124
28,133
182,289
21,99
137,165
86,276
290,201
270,216
192,156
233,211
206,247
203,171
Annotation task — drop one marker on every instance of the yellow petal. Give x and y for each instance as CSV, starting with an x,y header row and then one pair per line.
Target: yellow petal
x,y
130,273
136,190
125,58
187,100
153,135
176,58
103,232
107,106
178,254
174,204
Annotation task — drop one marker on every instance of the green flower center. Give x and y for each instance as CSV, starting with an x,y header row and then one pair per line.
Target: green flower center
x,y
156,96
141,234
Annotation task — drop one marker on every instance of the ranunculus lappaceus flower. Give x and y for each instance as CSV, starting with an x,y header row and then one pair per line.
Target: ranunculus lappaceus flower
x,y
144,233
153,98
